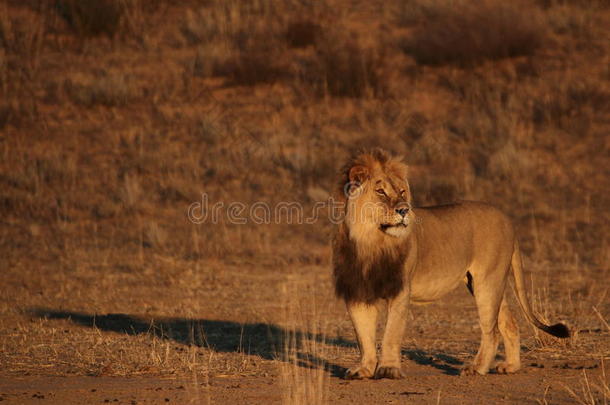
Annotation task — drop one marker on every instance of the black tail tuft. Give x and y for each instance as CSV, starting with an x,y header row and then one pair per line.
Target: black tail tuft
x,y
559,330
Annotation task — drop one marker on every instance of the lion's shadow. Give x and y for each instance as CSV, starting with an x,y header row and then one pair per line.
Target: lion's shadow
x,y
449,365
262,339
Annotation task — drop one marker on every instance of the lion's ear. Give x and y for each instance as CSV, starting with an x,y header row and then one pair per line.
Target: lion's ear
x,y
358,174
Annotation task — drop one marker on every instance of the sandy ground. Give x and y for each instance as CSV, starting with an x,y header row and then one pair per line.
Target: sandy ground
x,y
98,353
423,384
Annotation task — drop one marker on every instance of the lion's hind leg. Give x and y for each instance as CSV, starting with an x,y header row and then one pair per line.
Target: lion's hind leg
x,y
510,335
488,293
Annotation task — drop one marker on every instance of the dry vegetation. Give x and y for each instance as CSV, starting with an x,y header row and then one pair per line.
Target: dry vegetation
x,y
116,115
446,36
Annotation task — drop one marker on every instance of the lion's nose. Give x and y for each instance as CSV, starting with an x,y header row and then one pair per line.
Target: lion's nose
x,y
402,211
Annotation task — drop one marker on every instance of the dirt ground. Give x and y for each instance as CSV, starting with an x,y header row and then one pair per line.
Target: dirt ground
x,y
122,352
422,385
117,117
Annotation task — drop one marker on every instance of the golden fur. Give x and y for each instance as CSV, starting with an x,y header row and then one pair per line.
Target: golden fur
x,y
385,250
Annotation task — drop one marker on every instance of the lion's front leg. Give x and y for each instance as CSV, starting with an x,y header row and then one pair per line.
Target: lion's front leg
x,y
364,318
389,366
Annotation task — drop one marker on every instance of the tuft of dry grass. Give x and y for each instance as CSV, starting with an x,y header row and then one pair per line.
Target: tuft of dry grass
x,y
92,18
260,42
301,33
105,18
570,103
22,38
465,33
107,89
590,391
256,62
345,67
239,40
303,371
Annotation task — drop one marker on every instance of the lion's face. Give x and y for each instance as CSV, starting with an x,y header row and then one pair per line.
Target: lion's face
x,y
379,200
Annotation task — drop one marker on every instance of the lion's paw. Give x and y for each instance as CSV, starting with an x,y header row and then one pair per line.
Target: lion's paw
x,y
470,370
389,372
358,373
506,368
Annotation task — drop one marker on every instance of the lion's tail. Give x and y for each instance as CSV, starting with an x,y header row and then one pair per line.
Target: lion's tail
x,y
559,329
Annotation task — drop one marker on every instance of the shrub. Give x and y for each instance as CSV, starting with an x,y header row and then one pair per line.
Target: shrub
x,y
208,60
302,33
92,17
256,60
343,67
466,33
107,89
239,40
252,67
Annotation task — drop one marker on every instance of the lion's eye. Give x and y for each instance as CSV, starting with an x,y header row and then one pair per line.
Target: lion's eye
x,y
402,192
380,191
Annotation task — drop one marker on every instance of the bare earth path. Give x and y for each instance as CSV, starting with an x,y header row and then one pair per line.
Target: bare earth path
x,y
422,385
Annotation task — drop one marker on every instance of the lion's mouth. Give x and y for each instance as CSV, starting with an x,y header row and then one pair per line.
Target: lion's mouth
x,y
385,227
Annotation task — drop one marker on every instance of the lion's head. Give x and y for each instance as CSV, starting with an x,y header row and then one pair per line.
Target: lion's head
x,y
369,248
378,199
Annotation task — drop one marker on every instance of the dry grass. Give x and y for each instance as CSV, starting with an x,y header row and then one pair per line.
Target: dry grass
x,y
303,371
93,17
110,90
302,32
240,40
589,391
21,42
260,42
105,18
347,68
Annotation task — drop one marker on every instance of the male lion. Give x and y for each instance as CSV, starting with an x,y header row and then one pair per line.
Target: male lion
x,y
385,250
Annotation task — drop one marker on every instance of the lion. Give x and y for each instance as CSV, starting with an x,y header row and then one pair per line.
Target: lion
x,y
385,250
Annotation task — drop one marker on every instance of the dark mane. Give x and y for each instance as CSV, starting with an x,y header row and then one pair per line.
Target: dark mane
x,y
357,281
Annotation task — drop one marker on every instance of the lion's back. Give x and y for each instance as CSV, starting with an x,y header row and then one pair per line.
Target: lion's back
x,y
464,215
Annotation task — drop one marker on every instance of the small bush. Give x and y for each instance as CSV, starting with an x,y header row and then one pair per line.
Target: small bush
x,y
302,33
256,63
565,104
240,40
228,20
92,17
343,67
411,12
208,60
466,33
21,39
108,89
201,26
